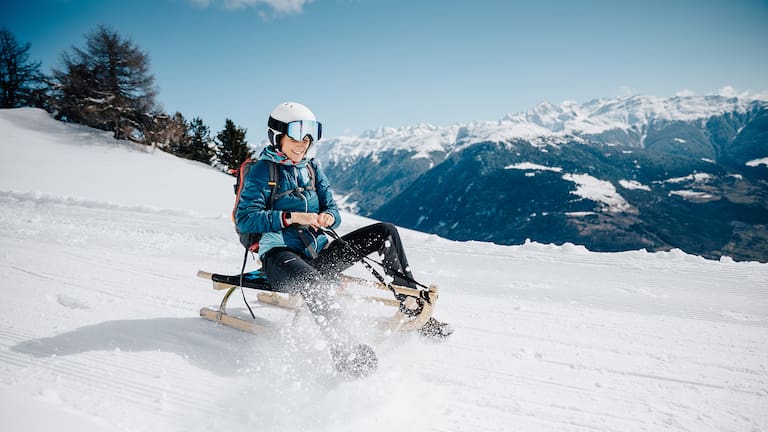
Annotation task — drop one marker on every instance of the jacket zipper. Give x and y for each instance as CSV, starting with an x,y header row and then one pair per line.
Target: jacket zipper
x,y
306,203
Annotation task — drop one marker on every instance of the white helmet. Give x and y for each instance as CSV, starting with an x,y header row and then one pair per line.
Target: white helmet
x,y
295,120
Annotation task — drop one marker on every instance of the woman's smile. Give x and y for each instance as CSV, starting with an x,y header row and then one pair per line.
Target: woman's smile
x,y
295,150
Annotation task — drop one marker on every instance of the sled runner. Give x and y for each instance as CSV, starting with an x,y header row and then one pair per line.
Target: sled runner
x,y
414,306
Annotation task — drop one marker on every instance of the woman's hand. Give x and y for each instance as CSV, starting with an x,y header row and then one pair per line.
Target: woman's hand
x,y
316,221
325,219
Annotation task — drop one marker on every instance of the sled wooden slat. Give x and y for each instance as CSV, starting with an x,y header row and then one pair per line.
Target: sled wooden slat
x,y
204,274
292,302
382,300
230,321
413,292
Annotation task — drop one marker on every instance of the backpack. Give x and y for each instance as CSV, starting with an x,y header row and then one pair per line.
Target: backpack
x,y
251,240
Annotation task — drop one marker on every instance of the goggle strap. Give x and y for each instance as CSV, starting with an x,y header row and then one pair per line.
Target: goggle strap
x,y
277,125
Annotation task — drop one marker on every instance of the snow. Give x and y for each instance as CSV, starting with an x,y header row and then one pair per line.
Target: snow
x,y
532,166
423,139
633,185
601,191
758,162
694,195
580,214
695,177
100,243
111,172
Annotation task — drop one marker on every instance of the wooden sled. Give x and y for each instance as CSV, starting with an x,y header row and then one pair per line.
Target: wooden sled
x,y
418,303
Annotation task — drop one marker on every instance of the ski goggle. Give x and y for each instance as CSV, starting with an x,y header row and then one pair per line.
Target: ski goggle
x,y
299,129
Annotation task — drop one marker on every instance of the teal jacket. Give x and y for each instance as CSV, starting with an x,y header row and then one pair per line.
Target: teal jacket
x,y
252,216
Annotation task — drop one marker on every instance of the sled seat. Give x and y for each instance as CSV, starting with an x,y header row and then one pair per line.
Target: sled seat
x,y
255,280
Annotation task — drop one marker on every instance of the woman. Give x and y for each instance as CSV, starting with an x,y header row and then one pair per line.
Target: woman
x,y
295,252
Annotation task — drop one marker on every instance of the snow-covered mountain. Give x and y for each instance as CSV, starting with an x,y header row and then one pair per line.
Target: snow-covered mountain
x,y
100,242
450,180
628,113
568,119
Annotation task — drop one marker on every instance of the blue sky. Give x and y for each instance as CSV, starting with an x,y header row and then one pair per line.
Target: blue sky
x,y
362,64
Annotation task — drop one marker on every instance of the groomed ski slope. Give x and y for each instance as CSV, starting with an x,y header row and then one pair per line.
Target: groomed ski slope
x,y
99,330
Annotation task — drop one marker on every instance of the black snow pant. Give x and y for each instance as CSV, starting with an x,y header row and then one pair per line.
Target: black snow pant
x,y
315,279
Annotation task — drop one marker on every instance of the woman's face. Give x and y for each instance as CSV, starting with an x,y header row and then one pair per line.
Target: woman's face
x,y
295,150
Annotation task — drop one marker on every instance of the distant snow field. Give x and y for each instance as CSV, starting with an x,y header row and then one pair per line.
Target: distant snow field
x,y
532,166
633,185
691,194
758,162
100,242
598,190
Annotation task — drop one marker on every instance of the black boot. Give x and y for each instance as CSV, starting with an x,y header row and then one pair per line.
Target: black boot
x,y
436,330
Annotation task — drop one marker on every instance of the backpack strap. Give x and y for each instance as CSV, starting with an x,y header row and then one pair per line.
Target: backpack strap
x,y
312,176
242,172
274,176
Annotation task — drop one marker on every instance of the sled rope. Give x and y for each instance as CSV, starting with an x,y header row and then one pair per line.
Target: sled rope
x,y
364,259
242,291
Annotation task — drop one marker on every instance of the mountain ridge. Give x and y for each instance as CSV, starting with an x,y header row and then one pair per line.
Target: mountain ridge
x,y
628,149
544,120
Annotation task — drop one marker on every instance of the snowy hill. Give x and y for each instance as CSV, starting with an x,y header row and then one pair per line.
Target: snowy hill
x,y
108,171
100,242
